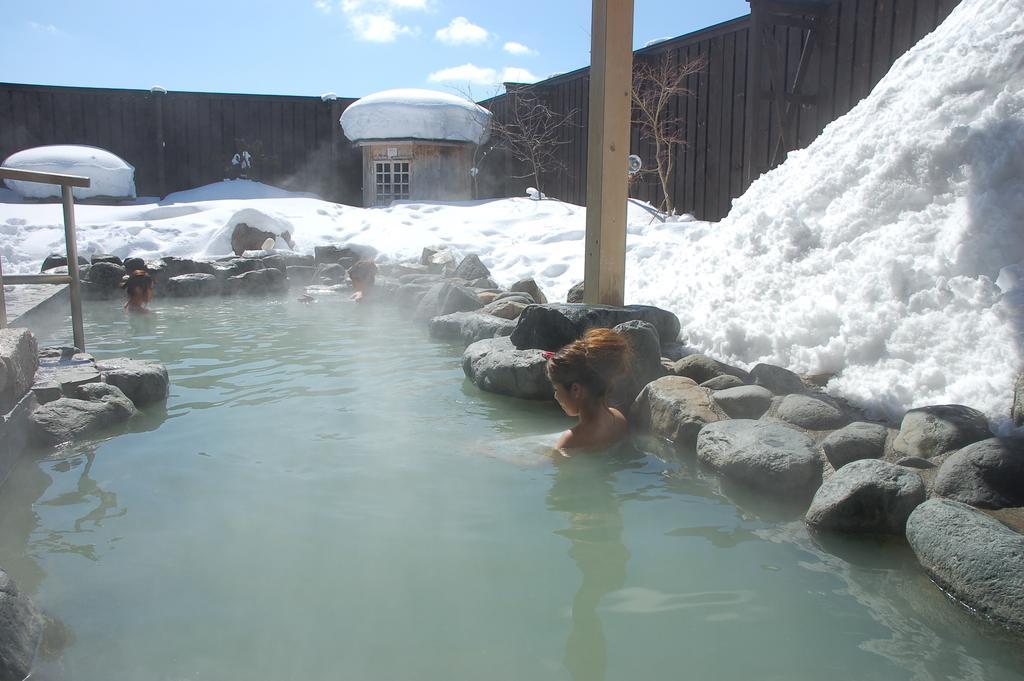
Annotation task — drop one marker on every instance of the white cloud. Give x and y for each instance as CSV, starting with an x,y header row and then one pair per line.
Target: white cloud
x,y
323,5
514,74
466,73
461,31
378,28
519,49
44,28
349,6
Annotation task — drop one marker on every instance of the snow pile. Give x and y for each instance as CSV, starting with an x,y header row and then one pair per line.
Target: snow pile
x,y
416,114
874,252
111,176
233,189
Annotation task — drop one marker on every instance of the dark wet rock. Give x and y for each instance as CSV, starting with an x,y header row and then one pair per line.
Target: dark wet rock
x,y
174,266
297,260
854,442
471,268
552,326
243,265
530,287
743,401
58,260
330,274
143,382
428,279
931,431
1017,410
301,275
973,557
426,255
518,297
21,628
132,264
575,294
763,455
245,238
469,327
986,474
97,407
105,257
675,408
702,368
673,350
505,308
459,299
257,282
915,462
495,365
867,496
723,382
336,255
780,381
276,261
107,275
484,283
645,364
19,359
190,285
811,412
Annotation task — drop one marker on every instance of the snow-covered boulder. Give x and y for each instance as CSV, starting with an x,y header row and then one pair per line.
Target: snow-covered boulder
x,y
416,114
111,176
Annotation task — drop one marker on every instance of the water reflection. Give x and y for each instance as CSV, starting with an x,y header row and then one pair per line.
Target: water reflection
x,y
87,489
584,489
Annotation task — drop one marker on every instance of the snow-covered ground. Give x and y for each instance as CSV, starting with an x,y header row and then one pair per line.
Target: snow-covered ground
x,y
887,252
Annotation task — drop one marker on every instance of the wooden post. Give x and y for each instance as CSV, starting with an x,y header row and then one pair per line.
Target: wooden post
x,y
3,300
611,74
158,115
74,287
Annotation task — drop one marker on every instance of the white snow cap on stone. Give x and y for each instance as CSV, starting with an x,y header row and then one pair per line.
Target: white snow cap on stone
x,y
416,114
111,176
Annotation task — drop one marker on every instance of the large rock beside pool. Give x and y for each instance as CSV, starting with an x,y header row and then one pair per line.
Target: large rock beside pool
x,y
529,286
762,455
471,268
19,359
469,327
971,556
143,382
931,431
854,442
497,366
702,368
21,627
645,361
674,408
106,277
744,401
191,285
811,412
986,474
505,308
780,381
257,282
867,496
98,407
552,326
445,298
1017,410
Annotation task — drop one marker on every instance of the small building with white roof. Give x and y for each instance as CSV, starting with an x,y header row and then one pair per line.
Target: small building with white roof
x,y
417,144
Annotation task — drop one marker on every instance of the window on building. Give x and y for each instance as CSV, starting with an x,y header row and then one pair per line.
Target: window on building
x,y
392,178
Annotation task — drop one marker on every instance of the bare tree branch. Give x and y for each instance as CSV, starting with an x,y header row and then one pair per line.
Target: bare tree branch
x,y
531,134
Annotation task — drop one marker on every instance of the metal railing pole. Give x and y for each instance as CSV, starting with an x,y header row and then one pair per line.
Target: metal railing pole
x,y
3,299
75,290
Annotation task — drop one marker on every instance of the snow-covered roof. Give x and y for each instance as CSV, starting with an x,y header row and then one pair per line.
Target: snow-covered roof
x,y
416,114
111,176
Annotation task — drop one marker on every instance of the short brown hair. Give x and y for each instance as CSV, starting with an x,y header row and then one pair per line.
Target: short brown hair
x,y
593,361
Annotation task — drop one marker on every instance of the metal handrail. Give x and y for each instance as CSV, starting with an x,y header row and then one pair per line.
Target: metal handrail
x,y
66,183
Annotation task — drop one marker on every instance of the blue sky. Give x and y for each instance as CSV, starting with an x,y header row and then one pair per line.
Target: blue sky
x,y
308,47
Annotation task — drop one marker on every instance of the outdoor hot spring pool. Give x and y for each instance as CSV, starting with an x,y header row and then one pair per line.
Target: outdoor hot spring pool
x,y
326,497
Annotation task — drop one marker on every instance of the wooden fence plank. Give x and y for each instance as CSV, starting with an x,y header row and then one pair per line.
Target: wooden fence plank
x,y
881,57
863,47
903,26
728,115
925,18
739,94
700,154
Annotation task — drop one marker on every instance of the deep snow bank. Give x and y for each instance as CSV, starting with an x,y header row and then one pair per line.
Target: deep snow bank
x,y
111,176
416,114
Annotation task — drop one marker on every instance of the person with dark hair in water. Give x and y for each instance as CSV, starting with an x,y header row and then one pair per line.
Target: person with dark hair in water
x,y
582,373
363,275
139,287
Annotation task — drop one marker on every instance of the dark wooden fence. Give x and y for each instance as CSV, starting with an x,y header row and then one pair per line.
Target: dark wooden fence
x,y
179,140
773,80
736,127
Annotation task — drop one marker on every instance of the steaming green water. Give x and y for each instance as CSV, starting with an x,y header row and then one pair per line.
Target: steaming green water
x,y
327,498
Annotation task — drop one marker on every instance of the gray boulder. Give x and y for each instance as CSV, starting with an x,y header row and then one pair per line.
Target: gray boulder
x,y
471,268
723,382
530,287
971,556
811,413
431,301
931,431
495,365
575,294
702,368
59,260
1017,410
552,326
854,442
915,462
868,496
744,401
190,285
276,261
763,455
142,381
469,327
245,238
19,359
300,275
504,308
21,628
780,381
297,260
459,299
986,474
105,257
675,408
257,282
330,274
107,276
132,264
101,406
645,365
346,256
410,295
516,297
